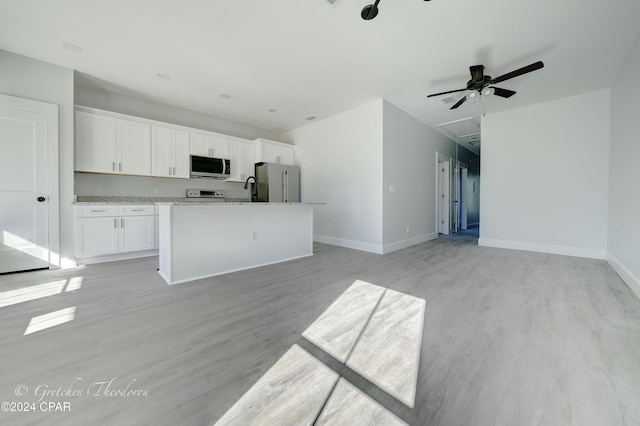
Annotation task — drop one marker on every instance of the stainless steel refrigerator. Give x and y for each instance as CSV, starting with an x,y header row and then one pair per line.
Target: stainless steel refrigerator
x,y
278,182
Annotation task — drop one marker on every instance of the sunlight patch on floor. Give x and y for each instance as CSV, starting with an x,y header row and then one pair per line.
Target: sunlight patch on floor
x,y
42,322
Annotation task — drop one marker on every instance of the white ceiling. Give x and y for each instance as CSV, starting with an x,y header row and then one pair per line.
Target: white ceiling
x,y
305,57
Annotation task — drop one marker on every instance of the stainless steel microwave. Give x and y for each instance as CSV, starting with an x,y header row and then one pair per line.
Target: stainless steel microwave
x,y
216,168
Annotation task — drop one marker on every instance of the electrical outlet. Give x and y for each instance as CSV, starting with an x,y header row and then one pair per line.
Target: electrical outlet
x,y
99,190
408,229
155,190
255,234
392,188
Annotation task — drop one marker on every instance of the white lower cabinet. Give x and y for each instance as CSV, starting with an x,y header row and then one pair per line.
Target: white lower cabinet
x,y
111,229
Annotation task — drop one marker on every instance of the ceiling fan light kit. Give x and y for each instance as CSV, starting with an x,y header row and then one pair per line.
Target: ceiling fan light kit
x,y
371,11
481,84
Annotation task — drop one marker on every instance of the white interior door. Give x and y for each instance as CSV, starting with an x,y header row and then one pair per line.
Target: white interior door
x,y
444,197
464,174
24,191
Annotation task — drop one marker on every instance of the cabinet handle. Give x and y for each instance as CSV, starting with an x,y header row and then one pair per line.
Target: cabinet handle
x,y
121,223
113,166
120,167
174,171
98,211
137,210
115,223
169,171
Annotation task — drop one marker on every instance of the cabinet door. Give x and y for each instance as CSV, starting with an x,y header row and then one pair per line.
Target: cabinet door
x,y
200,144
285,155
249,160
220,147
268,153
180,154
136,233
236,155
134,147
96,236
161,151
95,143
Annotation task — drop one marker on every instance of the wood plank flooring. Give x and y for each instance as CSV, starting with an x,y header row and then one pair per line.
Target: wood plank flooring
x,y
510,338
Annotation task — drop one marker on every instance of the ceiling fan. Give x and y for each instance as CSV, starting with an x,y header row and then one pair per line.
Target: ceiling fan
x,y
371,11
479,83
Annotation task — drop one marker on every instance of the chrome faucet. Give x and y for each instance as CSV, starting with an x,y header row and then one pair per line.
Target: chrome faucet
x,y
254,192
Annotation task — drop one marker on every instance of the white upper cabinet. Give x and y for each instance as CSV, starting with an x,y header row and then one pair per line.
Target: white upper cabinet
x,y
274,152
169,152
95,143
208,145
134,146
112,145
242,156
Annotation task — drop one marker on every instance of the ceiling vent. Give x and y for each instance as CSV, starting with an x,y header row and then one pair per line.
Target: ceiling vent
x,y
333,3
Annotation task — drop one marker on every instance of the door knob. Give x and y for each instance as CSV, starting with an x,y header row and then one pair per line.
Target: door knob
x,y
41,199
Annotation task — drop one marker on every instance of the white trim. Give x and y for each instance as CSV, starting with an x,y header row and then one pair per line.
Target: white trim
x,y
229,271
356,245
627,276
398,245
544,248
112,257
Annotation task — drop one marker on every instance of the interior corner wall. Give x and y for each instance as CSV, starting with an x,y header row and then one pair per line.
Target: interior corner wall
x,y
341,165
32,79
623,244
545,172
409,170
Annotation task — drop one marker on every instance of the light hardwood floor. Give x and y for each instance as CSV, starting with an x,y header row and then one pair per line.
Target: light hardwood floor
x,y
510,338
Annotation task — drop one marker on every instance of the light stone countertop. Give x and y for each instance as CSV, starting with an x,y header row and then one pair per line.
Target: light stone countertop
x,y
86,200
233,203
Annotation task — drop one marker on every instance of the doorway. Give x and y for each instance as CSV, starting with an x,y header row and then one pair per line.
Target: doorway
x,y
28,183
443,183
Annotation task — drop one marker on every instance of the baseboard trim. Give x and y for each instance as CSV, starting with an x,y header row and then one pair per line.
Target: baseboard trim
x,y
113,257
627,276
399,245
356,245
544,248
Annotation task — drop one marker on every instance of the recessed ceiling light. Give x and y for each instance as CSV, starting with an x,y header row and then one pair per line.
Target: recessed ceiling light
x,y
163,75
272,110
225,95
72,47
311,117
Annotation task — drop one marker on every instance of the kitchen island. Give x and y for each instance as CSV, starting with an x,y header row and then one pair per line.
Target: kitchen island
x,y
200,240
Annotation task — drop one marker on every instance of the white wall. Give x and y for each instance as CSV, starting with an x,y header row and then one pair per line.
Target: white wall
x,y
144,186
409,165
341,164
32,79
623,250
545,172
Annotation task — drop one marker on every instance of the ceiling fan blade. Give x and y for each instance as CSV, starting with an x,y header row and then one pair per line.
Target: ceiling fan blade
x,y
518,72
505,93
447,92
477,72
460,102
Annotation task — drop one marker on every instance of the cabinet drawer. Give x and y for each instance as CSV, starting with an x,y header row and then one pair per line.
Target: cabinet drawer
x,y
137,210
96,211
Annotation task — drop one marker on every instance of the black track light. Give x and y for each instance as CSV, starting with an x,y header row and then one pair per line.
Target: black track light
x,y
371,11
